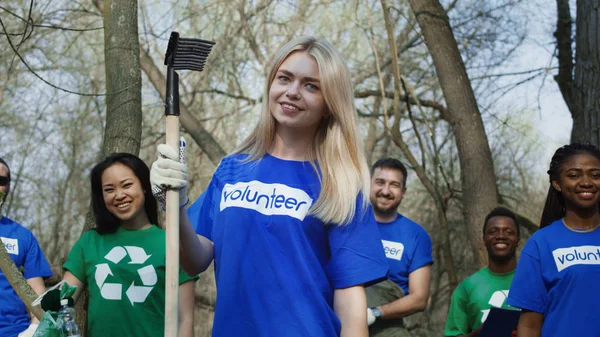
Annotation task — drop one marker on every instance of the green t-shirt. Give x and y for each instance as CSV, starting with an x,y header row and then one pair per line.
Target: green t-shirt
x,y
125,275
473,299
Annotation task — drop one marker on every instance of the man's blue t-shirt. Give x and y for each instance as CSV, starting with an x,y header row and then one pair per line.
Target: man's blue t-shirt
x,y
277,266
25,252
557,276
407,247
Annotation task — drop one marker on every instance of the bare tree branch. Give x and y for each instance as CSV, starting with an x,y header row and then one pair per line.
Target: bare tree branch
x,y
516,73
424,102
32,24
250,37
230,95
12,46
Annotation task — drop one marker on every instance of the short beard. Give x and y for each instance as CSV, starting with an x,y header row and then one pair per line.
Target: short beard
x,y
501,258
385,212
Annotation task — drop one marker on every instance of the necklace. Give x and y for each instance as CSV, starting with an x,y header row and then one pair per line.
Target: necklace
x,y
579,230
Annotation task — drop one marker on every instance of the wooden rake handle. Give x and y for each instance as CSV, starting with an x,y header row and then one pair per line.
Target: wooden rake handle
x,y
172,241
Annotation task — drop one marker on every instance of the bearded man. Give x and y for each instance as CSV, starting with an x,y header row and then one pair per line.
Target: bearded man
x,y
407,247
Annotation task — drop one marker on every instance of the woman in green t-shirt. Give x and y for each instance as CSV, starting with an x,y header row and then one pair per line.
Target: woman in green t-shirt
x,y
122,260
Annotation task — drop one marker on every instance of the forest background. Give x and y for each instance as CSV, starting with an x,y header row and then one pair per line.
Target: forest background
x,y
66,100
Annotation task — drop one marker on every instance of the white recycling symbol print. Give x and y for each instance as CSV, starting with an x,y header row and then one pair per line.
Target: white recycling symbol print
x,y
114,291
497,300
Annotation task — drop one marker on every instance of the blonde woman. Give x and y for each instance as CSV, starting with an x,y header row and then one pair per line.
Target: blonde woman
x,y
285,216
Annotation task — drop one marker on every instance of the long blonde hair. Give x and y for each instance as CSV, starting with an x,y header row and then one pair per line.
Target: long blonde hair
x,y
337,146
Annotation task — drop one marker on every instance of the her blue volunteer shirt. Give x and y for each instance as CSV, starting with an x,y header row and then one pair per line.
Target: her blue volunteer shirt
x,y
557,276
24,250
277,267
407,247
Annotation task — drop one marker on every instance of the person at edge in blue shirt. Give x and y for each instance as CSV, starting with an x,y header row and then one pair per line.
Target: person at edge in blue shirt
x,y
24,250
285,217
407,247
556,282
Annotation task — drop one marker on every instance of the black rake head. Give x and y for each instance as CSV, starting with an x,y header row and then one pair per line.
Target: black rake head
x,y
187,54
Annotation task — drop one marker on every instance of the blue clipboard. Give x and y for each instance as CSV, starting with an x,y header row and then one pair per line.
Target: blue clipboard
x,y
500,323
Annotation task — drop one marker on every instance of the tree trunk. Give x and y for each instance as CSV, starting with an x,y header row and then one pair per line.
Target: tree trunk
x,y
587,73
579,82
480,193
123,131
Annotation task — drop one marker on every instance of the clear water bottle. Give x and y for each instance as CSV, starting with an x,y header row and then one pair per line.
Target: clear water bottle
x,y
67,315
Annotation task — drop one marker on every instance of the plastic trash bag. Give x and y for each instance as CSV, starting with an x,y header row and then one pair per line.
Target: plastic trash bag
x,y
50,325
383,293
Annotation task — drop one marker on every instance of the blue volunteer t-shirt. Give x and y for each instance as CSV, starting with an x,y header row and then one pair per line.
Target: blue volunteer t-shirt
x,y
557,276
277,267
25,252
407,247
